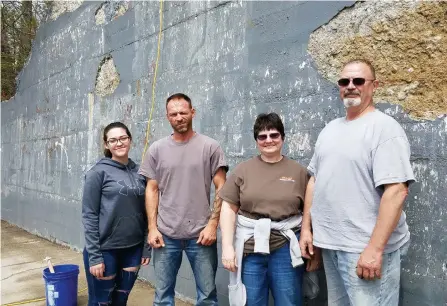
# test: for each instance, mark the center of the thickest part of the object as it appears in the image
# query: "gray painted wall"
(235, 59)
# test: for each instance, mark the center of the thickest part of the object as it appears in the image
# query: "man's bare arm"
(218, 180)
(306, 238)
(307, 221)
(208, 235)
(369, 265)
(152, 203)
(155, 238)
(390, 210)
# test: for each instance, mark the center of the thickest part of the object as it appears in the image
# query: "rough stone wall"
(405, 40)
(235, 60)
(62, 7)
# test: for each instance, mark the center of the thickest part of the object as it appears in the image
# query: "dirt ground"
(21, 259)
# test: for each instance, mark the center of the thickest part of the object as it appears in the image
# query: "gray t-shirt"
(351, 163)
(184, 172)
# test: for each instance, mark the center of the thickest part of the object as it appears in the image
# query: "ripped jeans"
(115, 291)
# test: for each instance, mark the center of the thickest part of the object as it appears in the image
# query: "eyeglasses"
(272, 136)
(356, 81)
(114, 141)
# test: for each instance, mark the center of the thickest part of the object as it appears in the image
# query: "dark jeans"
(115, 291)
(167, 261)
(274, 272)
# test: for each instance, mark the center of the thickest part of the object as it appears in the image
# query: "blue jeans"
(167, 261)
(274, 271)
(345, 288)
(114, 291)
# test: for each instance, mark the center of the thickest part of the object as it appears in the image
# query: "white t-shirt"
(351, 163)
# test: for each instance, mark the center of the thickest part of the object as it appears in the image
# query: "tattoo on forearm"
(217, 205)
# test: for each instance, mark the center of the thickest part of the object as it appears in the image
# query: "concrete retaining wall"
(235, 60)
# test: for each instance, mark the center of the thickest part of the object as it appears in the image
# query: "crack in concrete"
(19, 263)
(41, 267)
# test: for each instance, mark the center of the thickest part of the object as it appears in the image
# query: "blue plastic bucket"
(61, 287)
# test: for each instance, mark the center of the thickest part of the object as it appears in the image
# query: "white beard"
(350, 102)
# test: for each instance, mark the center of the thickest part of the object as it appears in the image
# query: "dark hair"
(363, 61)
(268, 122)
(113, 125)
(179, 96)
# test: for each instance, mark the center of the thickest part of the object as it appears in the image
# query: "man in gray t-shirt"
(180, 169)
(360, 176)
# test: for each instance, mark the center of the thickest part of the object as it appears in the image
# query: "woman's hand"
(98, 270)
(315, 261)
(145, 261)
(229, 258)
(306, 244)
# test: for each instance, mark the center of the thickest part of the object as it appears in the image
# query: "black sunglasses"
(263, 137)
(356, 81)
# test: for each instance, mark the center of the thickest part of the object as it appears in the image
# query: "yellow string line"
(34, 300)
(148, 128)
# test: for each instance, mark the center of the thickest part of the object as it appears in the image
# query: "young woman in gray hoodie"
(115, 222)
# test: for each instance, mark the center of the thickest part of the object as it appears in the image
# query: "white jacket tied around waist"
(260, 230)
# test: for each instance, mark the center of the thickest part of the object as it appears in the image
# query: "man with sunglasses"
(360, 177)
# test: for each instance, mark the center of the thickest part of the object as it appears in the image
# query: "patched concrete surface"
(62, 7)
(110, 10)
(108, 78)
(405, 40)
(22, 266)
(235, 59)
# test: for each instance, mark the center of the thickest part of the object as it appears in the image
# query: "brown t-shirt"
(267, 190)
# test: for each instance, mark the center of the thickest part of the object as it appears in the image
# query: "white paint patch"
(6, 190)
(434, 175)
(90, 155)
(267, 73)
(389, 111)
(64, 149)
(237, 154)
(299, 142)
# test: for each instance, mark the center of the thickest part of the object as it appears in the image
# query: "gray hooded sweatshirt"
(113, 209)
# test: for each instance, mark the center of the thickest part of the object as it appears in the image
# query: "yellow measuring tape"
(146, 139)
(34, 300)
(148, 128)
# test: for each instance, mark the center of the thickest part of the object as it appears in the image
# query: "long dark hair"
(113, 125)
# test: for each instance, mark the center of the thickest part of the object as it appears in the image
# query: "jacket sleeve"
(91, 200)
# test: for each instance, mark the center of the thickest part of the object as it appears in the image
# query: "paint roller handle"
(50, 265)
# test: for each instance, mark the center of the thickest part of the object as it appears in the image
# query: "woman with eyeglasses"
(115, 222)
(260, 247)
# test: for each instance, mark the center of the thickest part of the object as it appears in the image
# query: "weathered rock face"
(108, 78)
(62, 7)
(110, 10)
(405, 40)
